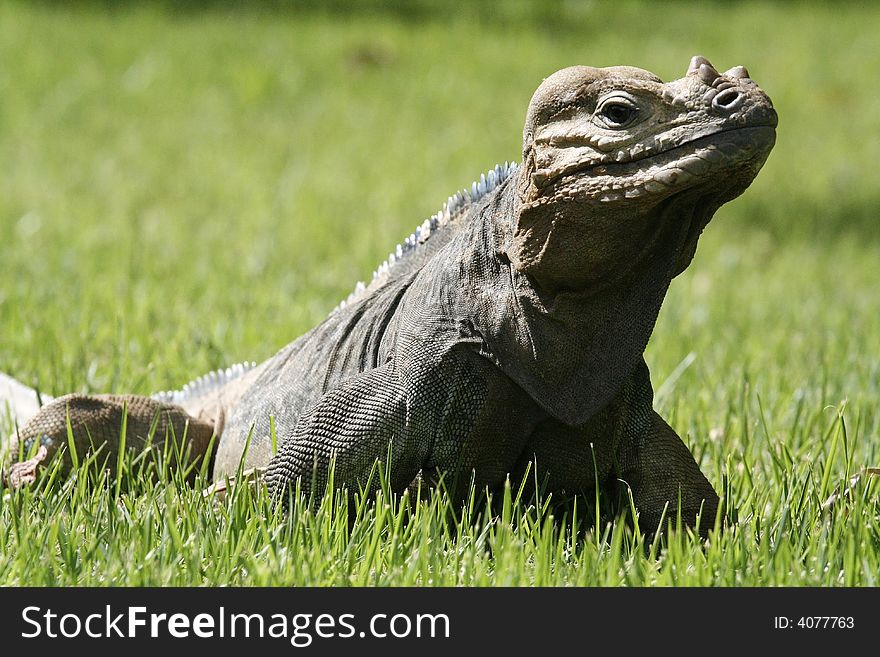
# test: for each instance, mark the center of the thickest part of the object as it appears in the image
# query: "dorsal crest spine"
(204, 384)
(454, 205)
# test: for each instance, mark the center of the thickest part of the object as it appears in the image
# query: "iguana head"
(613, 157)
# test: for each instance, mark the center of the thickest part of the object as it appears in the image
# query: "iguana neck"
(590, 338)
(576, 250)
(580, 247)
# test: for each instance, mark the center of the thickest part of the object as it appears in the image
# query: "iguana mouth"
(687, 162)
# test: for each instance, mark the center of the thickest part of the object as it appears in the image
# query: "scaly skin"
(512, 336)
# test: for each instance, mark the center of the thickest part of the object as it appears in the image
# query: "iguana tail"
(18, 403)
(37, 426)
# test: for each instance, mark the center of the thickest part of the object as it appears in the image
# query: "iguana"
(506, 334)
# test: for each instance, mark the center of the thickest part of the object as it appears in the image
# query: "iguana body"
(510, 328)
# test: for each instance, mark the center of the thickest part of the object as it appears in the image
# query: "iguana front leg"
(366, 419)
(96, 423)
(458, 421)
(628, 442)
(657, 466)
(662, 474)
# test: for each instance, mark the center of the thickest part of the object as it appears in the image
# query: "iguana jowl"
(509, 329)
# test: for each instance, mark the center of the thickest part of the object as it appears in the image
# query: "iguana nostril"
(728, 99)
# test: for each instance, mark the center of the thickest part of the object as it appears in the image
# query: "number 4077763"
(814, 623)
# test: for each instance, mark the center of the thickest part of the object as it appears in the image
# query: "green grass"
(184, 190)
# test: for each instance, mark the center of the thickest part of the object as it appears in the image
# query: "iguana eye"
(616, 112)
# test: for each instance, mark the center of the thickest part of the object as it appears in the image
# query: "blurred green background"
(186, 185)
